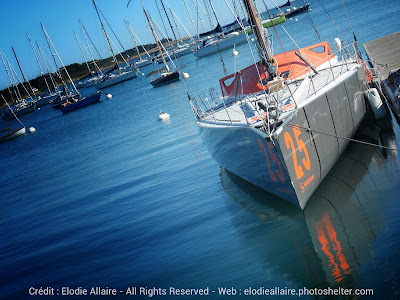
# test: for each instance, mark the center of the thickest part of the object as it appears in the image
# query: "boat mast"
(22, 73)
(266, 57)
(195, 30)
(198, 15)
(155, 37)
(133, 39)
(215, 15)
(37, 60)
(47, 68)
(58, 56)
(162, 21)
(9, 91)
(52, 54)
(86, 35)
(169, 21)
(144, 49)
(105, 33)
(83, 54)
(12, 82)
(176, 26)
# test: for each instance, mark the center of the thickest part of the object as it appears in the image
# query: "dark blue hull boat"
(297, 11)
(165, 78)
(70, 106)
(17, 112)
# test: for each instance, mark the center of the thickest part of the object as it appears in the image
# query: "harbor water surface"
(110, 196)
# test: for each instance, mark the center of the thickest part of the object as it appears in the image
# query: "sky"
(60, 19)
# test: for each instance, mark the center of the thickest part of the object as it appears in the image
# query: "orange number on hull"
(302, 148)
(262, 148)
(274, 159)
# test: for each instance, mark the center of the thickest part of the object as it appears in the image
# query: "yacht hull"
(112, 80)
(220, 45)
(81, 103)
(293, 161)
(13, 134)
(164, 79)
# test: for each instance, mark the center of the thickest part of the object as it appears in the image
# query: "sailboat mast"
(155, 37)
(16, 91)
(176, 26)
(86, 35)
(105, 33)
(215, 15)
(162, 20)
(22, 72)
(65, 69)
(198, 15)
(48, 44)
(144, 49)
(37, 60)
(169, 21)
(83, 54)
(266, 57)
(47, 68)
(191, 19)
(9, 91)
(133, 39)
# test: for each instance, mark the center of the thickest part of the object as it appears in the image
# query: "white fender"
(376, 103)
(337, 44)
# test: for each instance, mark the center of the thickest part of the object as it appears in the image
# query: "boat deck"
(243, 112)
(384, 56)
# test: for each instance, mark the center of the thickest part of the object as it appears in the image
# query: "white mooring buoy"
(163, 115)
(234, 52)
(109, 96)
(32, 129)
(185, 75)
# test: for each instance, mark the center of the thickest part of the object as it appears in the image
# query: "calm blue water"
(109, 196)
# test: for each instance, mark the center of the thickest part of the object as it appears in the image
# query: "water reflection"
(327, 243)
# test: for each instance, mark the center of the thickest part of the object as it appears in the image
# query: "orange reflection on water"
(331, 247)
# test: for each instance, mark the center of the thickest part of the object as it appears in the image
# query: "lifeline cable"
(341, 137)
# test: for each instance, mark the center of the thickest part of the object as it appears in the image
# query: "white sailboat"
(116, 74)
(10, 133)
(72, 99)
(23, 104)
(167, 76)
(216, 40)
(95, 75)
(51, 95)
(176, 50)
(283, 122)
(141, 62)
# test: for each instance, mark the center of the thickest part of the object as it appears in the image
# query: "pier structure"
(384, 56)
